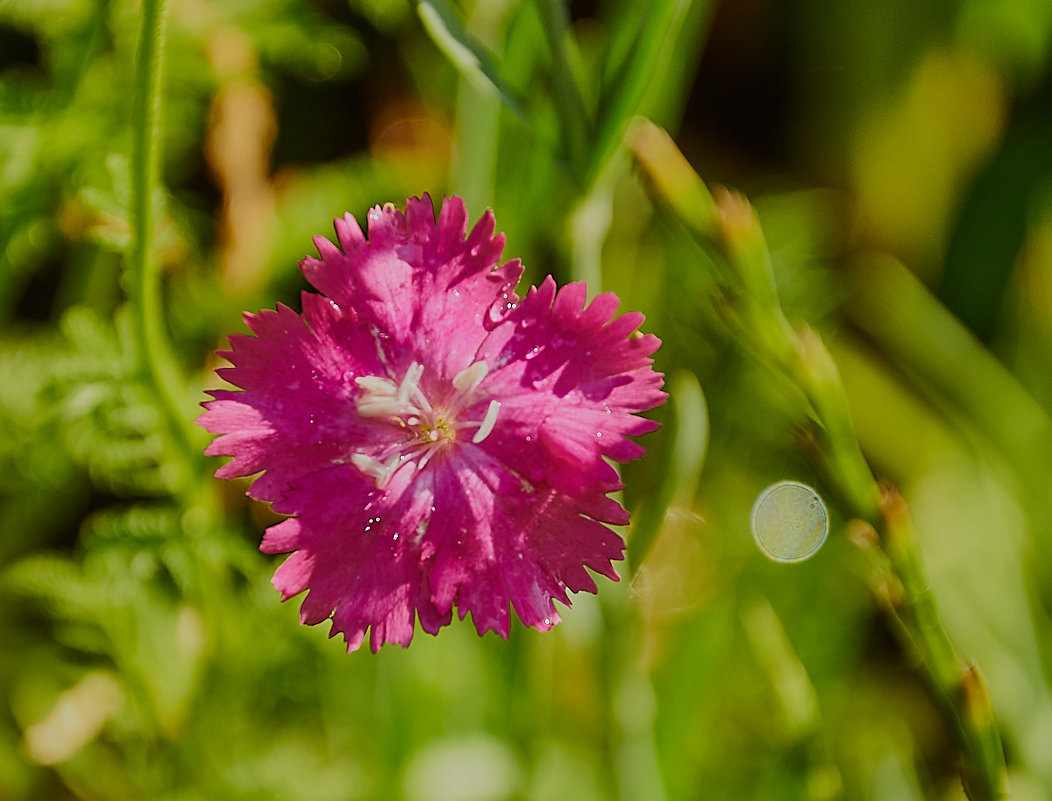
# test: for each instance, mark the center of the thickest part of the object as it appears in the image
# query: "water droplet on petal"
(789, 521)
(532, 354)
(499, 310)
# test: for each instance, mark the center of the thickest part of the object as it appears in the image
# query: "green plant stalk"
(142, 278)
(690, 441)
(442, 23)
(723, 226)
(477, 126)
(815, 372)
(573, 114)
(639, 70)
(951, 369)
(961, 690)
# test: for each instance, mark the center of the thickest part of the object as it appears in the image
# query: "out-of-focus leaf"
(635, 73)
(992, 223)
(443, 25)
(575, 117)
(690, 439)
(945, 359)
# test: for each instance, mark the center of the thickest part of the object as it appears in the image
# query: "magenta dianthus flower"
(437, 441)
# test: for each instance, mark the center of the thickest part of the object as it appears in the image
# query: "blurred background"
(900, 157)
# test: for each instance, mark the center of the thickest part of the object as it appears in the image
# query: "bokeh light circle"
(789, 521)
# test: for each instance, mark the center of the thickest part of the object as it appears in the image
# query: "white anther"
(380, 472)
(379, 397)
(377, 405)
(367, 464)
(410, 382)
(470, 377)
(372, 383)
(490, 420)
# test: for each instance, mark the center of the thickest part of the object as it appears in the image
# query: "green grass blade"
(622, 97)
(469, 57)
(690, 442)
(574, 116)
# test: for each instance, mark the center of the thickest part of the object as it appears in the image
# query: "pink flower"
(437, 441)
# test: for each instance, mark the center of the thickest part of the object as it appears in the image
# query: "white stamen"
(424, 460)
(368, 465)
(378, 406)
(410, 382)
(378, 398)
(422, 403)
(470, 377)
(378, 339)
(488, 421)
(381, 397)
(425, 430)
(373, 383)
(379, 471)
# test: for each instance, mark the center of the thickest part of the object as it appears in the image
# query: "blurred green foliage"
(145, 653)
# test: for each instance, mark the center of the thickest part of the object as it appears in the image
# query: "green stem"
(156, 362)
(815, 372)
(477, 126)
(724, 224)
(574, 116)
(960, 690)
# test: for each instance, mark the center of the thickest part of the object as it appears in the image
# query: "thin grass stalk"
(731, 232)
(142, 277)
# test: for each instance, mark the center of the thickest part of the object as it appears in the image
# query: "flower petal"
(438, 442)
(348, 557)
(299, 417)
(570, 380)
(429, 285)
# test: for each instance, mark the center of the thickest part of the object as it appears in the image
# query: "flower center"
(428, 429)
